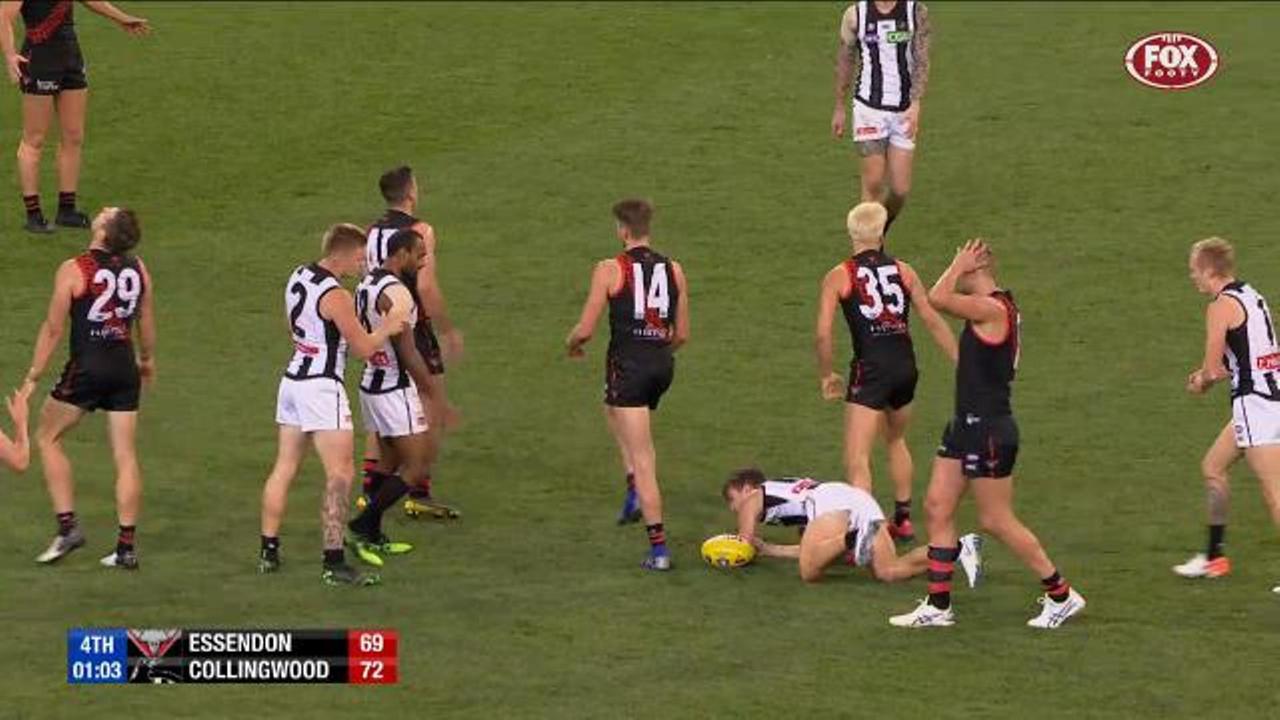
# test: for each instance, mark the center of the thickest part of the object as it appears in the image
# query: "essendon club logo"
(1171, 60)
(153, 645)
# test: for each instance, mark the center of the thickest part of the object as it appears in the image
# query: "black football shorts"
(985, 446)
(53, 67)
(109, 383)
(639, 379)
(881, 387)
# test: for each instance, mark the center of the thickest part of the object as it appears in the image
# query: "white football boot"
(1200, 566)
(971, 557)
(925, 615)
(1052, 613)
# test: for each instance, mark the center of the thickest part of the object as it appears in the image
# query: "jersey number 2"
(127, 287)
(655, 297)
(878, 284)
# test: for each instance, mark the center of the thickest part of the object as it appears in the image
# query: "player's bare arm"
(432, 296)
(338, 305)
(129, 23)
(1222, 314)
(13, 62)
(938, 327)
(830, 384)
(147, 327)
(986, 313)
(920, 42)
(394, 303)
(845, 70)
(16, 452)
(682, 308)
(67, 283)
(603, 279)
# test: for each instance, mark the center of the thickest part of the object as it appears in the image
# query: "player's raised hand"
(971, 256)
(13, 64)
(832, 387)
(838, 119)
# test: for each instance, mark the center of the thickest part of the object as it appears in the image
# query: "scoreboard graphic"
(162, 656)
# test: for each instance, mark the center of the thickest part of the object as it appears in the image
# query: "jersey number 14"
(655, 297)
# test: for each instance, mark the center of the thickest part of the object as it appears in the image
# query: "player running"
(389, 398)
(400, 189)
(886, 45)
(104, 290)
(837, 519)
(51, 72)
(16, 453)
(1240, 344)
(980, 443)
(872, 288)
(312, 401)
(648, 303)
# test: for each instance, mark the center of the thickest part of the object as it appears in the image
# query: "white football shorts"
(832, 497)
(313, 405)
(1256, 420)
(393, 414)
(870, 124)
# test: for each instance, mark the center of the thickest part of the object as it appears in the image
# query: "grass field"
(240, 130)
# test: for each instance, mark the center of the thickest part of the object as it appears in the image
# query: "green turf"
(239, 131)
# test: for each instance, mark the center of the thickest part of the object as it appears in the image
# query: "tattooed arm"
(846, 69)
(919, 66)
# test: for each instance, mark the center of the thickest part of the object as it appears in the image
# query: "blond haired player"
(1240, 344)
(885, 45)
(872, 289)
(836, 519)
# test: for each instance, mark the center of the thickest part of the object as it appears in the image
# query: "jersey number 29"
(126, 287)
(655, 297)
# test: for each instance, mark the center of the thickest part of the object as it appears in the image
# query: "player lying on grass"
(1240, 345)
(16, 453)
(837, 519)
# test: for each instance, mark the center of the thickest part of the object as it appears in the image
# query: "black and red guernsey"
(48, 21)
(985, 369)
(877, 309)
(642, 312)
(102, 316)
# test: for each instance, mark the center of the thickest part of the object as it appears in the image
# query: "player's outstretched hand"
(832, 387)
(13, 64)
(16, 404)
(838, 119)
(136, 26)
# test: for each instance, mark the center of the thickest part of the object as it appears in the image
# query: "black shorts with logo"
(53, 67)
(985, 446)
(424, 337)
(879, 386)
(107, 381)
(638, 379)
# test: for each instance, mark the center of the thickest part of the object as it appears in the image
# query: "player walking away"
(104, 290)
(648, 304)
(312, 400)
(1240, 343)
(51, 72)
(389, 397)
(980, 444)
(400, 189)
(836, 519)
(872, 288)
(886, 46)
(16, 453)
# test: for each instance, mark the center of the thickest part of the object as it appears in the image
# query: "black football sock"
(66, 522)
(421, 490)
(657, 538)
(1217, 536)
(372, 478)
(66, 201)
(901, 511)
(333, 558)
(1055, 587)
(942, 565)
(893, 203)
(124, 541)
(391, 489)
(271, 543)
(32, 204)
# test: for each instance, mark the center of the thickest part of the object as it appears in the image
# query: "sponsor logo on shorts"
(1269, 362)
(47, 85)
(866, 130)
(1171, 60)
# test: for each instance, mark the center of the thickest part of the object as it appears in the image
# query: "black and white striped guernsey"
(1252, 355)
(383, 371)
(381, 231)
(319, 351)
(784, 500)
(884, 52)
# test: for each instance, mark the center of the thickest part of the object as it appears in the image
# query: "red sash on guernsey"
(50, 24)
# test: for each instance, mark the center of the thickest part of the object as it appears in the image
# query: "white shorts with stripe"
(832, 497)
(314, 404)
(872, 124)
(1256, 420)
(393, 414)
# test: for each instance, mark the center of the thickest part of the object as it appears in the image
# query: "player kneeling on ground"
(837, 519)
(312, 401)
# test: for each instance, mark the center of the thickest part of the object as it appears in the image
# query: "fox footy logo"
(1171, 60)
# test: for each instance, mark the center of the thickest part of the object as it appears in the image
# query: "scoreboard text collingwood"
(119, 655)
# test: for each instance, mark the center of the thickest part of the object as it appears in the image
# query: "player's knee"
(31, 146)
(1213, 473)
(996, 523)
(809, 573)
(71, 138)
(340, 478)
(936, 509)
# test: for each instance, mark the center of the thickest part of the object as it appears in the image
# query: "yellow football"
(727, 551)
